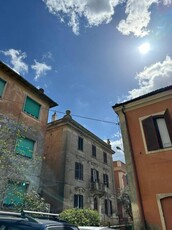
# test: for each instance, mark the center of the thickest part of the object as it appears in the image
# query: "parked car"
(28, 220)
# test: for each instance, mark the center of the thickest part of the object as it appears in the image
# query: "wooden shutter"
(80, 201)
(106, 207)
(25, 147)
(14, 193)
(76, 170)
(150, 134)
(92, 180)
(168, 121)
(32, 107)
(75, 201)
(2, 85)
(81, 172)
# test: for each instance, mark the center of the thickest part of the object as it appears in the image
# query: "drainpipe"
(134, 167)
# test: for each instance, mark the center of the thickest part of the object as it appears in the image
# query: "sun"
(144, 48)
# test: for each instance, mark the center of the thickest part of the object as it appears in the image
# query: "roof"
(39, 92)
(67, 120)
(144, 96)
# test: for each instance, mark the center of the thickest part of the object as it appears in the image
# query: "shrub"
(81, 217)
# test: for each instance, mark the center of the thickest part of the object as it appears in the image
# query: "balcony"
(98, 188)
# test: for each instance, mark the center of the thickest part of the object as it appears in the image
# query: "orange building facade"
(146, 126)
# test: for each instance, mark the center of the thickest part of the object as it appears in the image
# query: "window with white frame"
(158, 131)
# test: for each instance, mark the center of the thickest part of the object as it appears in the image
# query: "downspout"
(134, 167)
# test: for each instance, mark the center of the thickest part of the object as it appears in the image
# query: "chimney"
(54, 117)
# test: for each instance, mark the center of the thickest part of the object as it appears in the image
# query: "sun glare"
(144, 48)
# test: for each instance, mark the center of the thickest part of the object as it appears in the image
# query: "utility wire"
(88, 118)
(75, 115)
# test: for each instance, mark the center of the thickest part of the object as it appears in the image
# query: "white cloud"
(97, 12)
(119, 154)
(40, 69)
(153, 77)
(139, 16)
(17, 57)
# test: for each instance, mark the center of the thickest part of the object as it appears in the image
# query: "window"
(94, 175)
(78, 201)
(158, 131)
(80, 143)
(105, 157)
(25, 147)
(14, 193)
(108, 207)
(32, 107)
(93, 150)
(106, 180)
(2, 86)
(78, 171)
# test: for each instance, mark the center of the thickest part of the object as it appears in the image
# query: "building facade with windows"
(120, 175)
(77, 170)
(23, 118)
(146, 125)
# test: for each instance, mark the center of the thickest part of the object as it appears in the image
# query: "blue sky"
(86, 55)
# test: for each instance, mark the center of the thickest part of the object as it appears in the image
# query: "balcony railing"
(98, 188)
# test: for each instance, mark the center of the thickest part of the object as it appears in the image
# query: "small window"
(106, 180)
(78, 201)
(2, 86)
(32, 107)
(80, 143)
(94, 175)
(78, 171)
(14, 194)
(158, 131)
(108, 207)
(25, 147)
(93, 150)
(105, 157)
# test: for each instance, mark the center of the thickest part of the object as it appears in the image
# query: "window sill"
(159, 150)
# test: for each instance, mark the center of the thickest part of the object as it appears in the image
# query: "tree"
(124, 199)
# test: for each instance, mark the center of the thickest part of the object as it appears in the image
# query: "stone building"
(146, 125)
(77, 170)
(23, 118)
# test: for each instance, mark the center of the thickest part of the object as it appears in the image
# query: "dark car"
(26, 221)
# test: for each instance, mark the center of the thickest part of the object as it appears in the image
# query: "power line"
(88, 118)
(75, 115)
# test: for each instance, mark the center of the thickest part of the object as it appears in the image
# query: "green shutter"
(2, 85)
(25, 147)
(14, 193)
(32, 107)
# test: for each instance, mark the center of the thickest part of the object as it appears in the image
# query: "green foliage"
(81, 217)
(124, 199)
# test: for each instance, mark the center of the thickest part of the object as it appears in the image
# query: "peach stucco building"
(146, 126)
